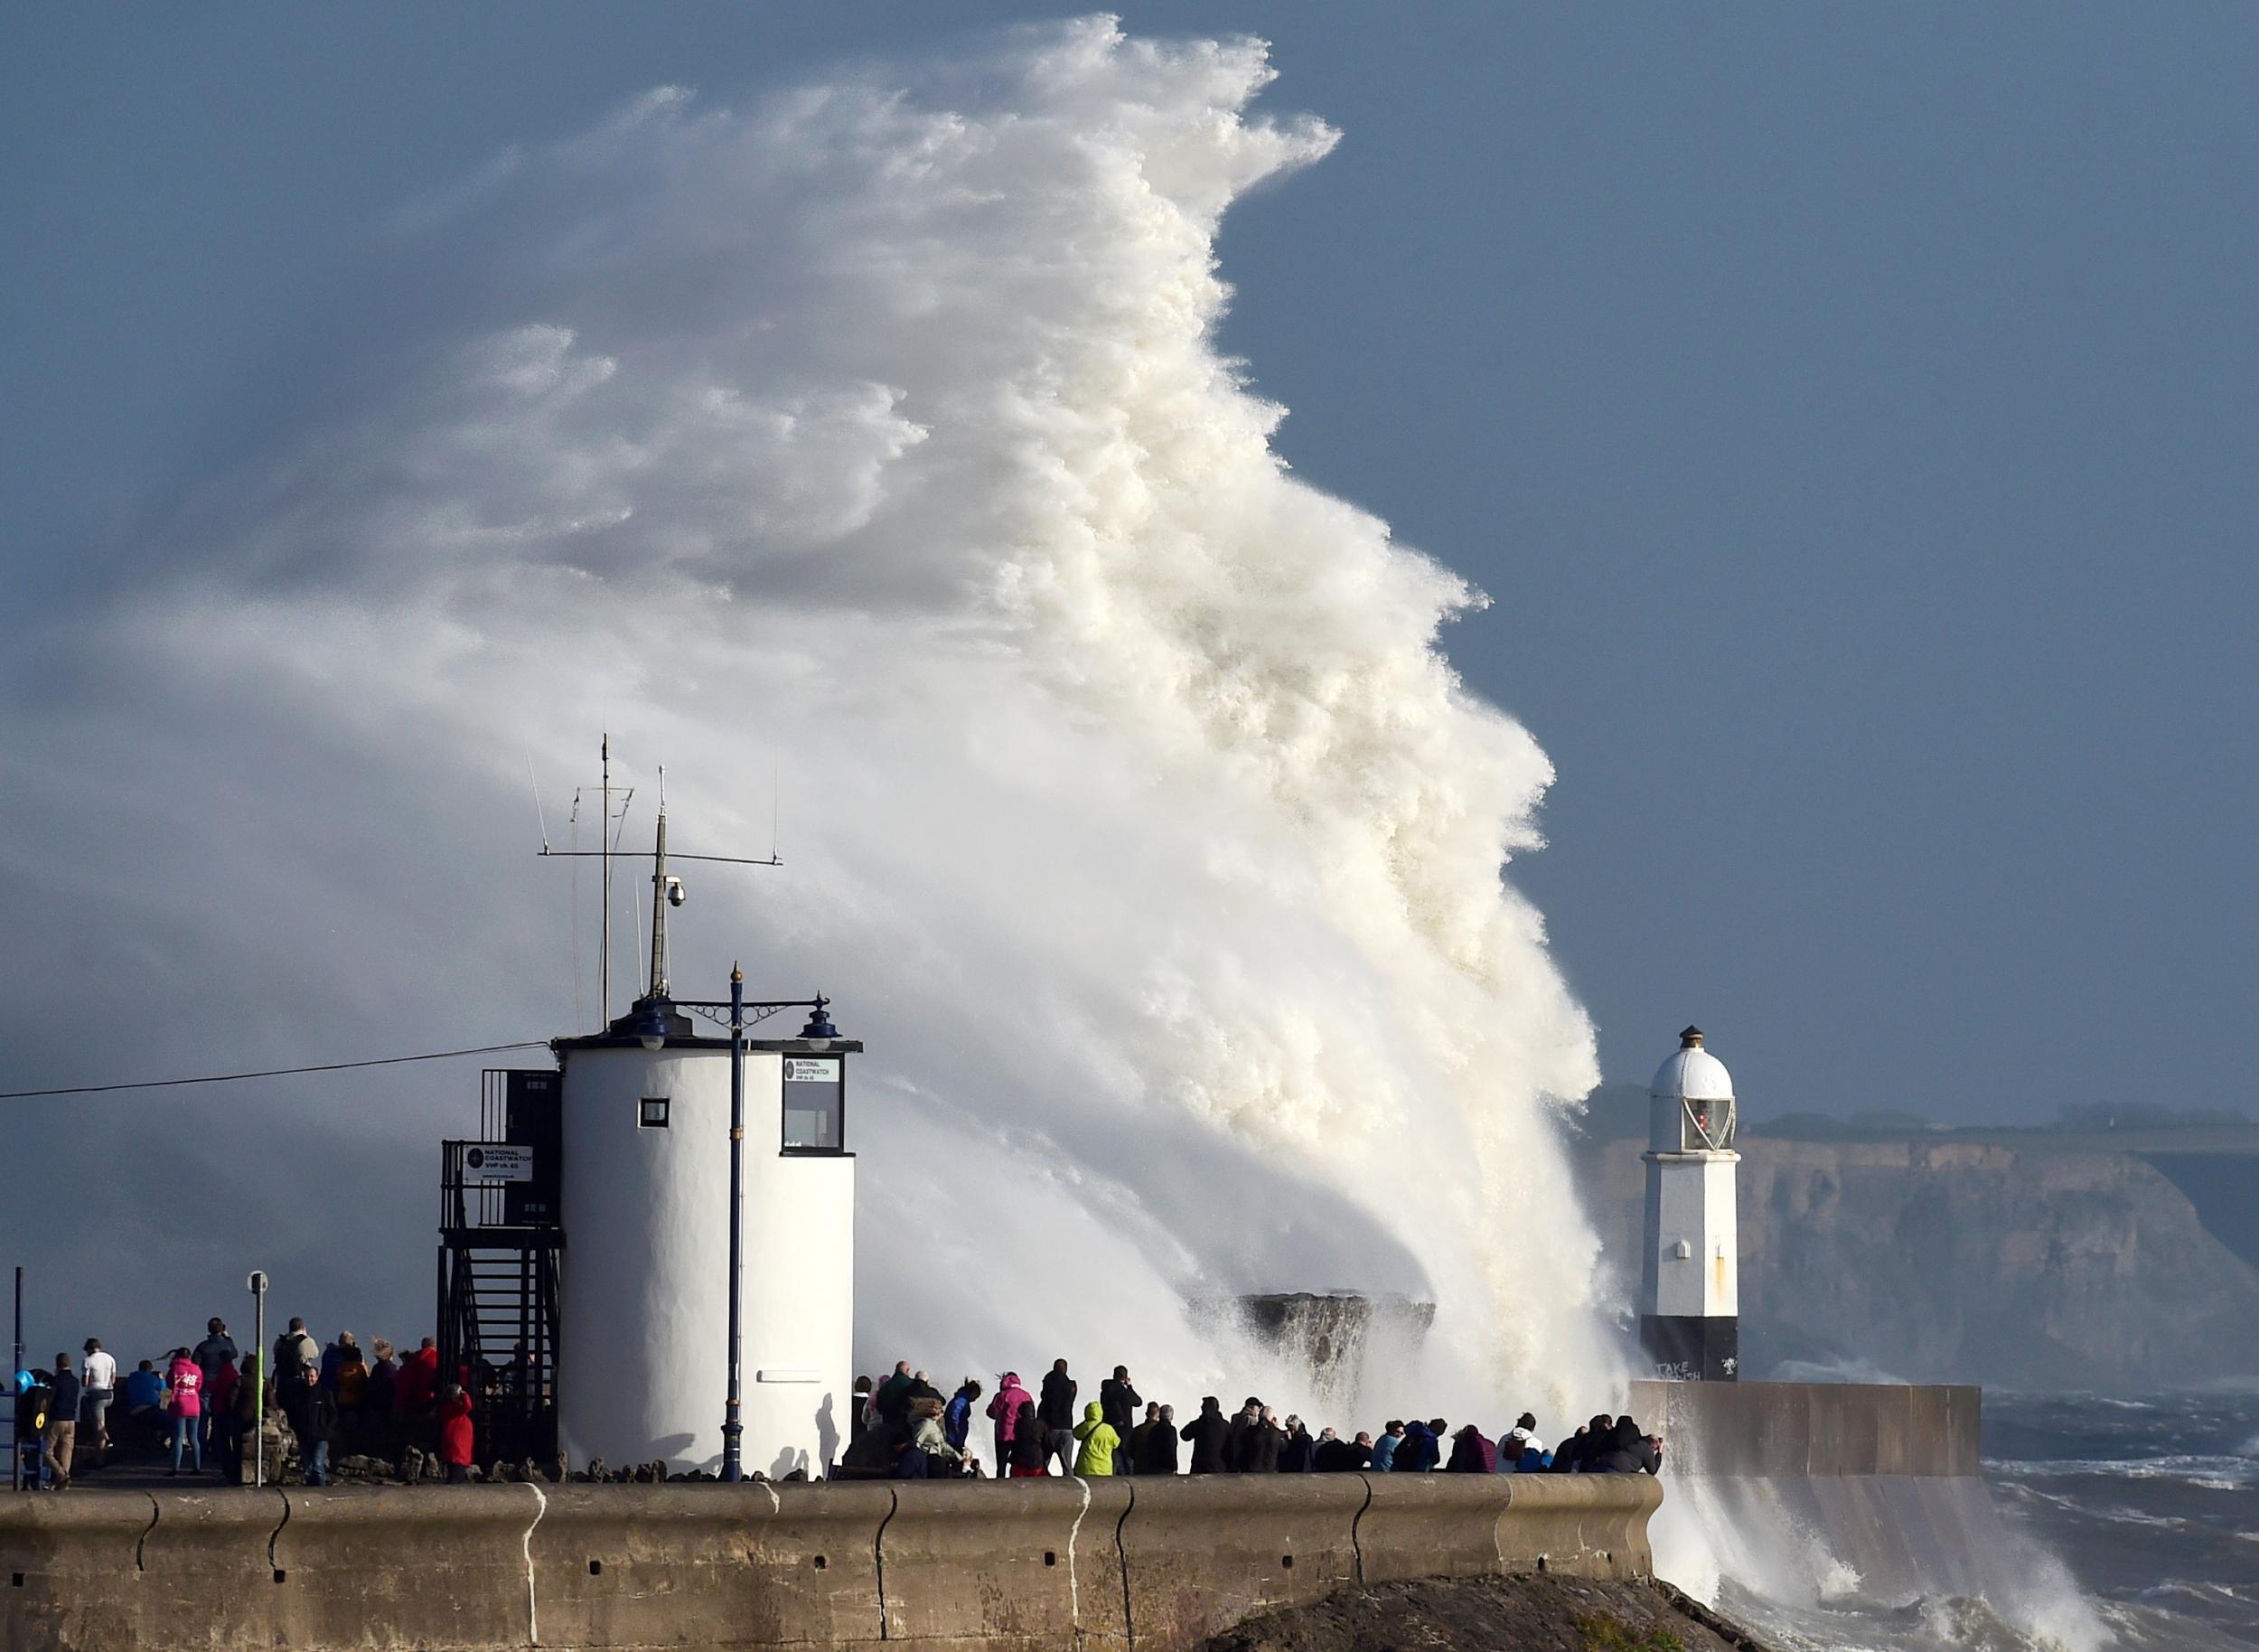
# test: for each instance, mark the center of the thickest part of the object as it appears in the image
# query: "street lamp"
(819, 1026)
(258, 1283)
(649, 1026)
(733, 1416)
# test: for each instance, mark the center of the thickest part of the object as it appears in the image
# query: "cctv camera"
(674, 892)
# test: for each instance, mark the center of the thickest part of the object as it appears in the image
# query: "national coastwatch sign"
(489, 1161)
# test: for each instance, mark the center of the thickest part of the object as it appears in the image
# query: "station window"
(815, 1104)
(653, 1115)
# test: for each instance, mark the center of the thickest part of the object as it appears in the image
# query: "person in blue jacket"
(1385, 1447)
(957, 1415)
(1419, 1453)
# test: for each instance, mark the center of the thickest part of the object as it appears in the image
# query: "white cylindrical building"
(1689, 1289)
(642, 1374)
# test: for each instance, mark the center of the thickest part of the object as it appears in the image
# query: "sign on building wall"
(815, 1104)
(491, 1161)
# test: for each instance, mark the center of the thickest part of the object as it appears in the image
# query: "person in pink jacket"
(1005, 1411)
(187, 1409)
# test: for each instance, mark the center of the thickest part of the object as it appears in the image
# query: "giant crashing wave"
(862, 452)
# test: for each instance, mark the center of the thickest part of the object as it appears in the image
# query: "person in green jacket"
(1098, 1441)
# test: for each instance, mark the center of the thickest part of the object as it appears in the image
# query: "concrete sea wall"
(1884, 1477)
(1738, 1429)
(1018, 1566)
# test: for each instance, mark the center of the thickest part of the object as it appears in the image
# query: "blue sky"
(1852, 411)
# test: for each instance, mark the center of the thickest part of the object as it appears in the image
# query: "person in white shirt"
(100, 1376)
(1520, 1440)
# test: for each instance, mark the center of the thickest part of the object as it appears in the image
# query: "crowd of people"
(904, 1427)
(213, 1404)
(210, 1402)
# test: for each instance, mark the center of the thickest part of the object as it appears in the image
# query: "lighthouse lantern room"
(1689, 1296)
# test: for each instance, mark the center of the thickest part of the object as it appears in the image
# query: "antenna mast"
(604, 841)
(661, 893)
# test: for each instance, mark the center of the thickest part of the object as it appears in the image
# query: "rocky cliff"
(1940, 1261)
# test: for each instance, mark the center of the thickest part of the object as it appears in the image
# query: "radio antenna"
(666, 890)
(535, 781)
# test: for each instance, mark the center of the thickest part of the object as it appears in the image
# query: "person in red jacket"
(456, 1433)
(412, 1391)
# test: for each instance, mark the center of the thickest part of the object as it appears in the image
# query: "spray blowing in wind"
(870, 443)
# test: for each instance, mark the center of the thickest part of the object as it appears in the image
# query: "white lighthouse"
(1688, 1294)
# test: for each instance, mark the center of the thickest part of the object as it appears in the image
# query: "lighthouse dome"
(1692, 1074)
(1690, 1106)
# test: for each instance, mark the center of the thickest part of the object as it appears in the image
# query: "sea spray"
(864, 453)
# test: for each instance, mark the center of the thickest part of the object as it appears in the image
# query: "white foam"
(874, 436)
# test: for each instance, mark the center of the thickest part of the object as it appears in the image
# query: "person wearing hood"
(1159, 1454)
(1418, 1452)
(457, 1433)
(1096, 1459)
(1629, 1451)
(1004, 1412)
(1031, 1443)
(1207, 1434)
(1472, 1452)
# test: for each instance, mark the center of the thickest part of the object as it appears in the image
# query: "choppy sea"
(2152, 1504)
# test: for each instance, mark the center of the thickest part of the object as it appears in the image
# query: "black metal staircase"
(501, 1245)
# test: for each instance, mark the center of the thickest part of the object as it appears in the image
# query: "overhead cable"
(230, 1078)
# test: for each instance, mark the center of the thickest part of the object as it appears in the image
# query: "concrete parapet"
(1203, 1553)
(1436, 1524)
(1107, 1565)
(745, 1565)
(73, 1566)
(205, 1557)
(407, 1566)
